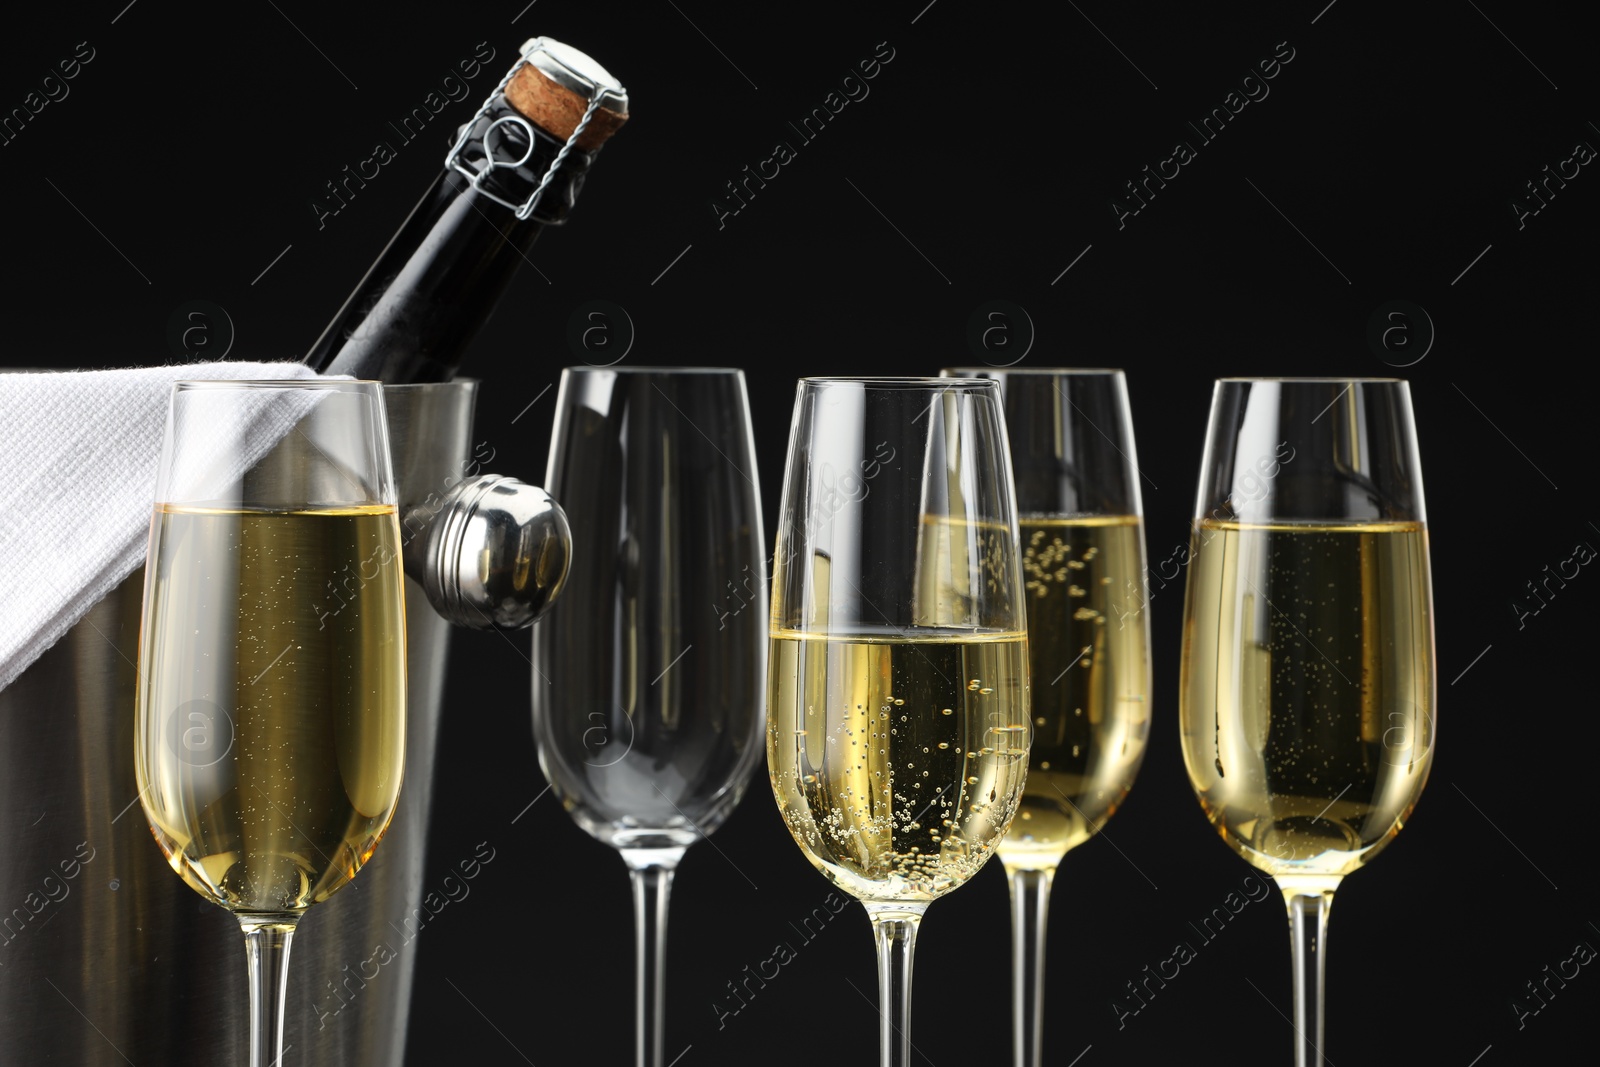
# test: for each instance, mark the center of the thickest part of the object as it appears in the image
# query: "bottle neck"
(510, 156)
(420, 305)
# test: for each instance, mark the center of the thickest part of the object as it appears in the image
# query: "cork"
(557, 110)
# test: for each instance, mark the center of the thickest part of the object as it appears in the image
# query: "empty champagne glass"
(271, 715)
(897, 694)
(1307, 695)
(647, 675)
(1083, 566)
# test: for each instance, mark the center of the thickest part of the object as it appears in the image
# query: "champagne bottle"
(515, 168)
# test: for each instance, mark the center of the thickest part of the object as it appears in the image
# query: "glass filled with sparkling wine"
(898, 676)
(1307, 693)
(272, 682)
(1083, 571)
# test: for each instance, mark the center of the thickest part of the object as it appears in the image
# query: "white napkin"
(78, 457)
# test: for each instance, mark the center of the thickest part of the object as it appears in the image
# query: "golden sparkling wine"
(898, 758)
(1308, 688)
(273, 737)
(1089, 650)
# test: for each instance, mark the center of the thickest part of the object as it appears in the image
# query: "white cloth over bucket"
(79, 451)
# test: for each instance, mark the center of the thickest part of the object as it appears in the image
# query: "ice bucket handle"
(491, 554)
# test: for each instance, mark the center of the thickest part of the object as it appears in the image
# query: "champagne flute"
(1083, 565)
(647, 677)
(271, 715)
(897, 694)
(1307, 696)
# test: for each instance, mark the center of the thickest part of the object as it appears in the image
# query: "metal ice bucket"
(106, 956)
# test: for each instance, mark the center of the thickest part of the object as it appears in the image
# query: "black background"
(1381, 167)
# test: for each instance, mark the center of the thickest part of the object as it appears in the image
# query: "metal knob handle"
(494, 555)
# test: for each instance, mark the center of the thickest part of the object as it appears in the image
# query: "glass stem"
(651, 870)
(1308, 902)
(266, 943)
(1030, 906)
(894, 928)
